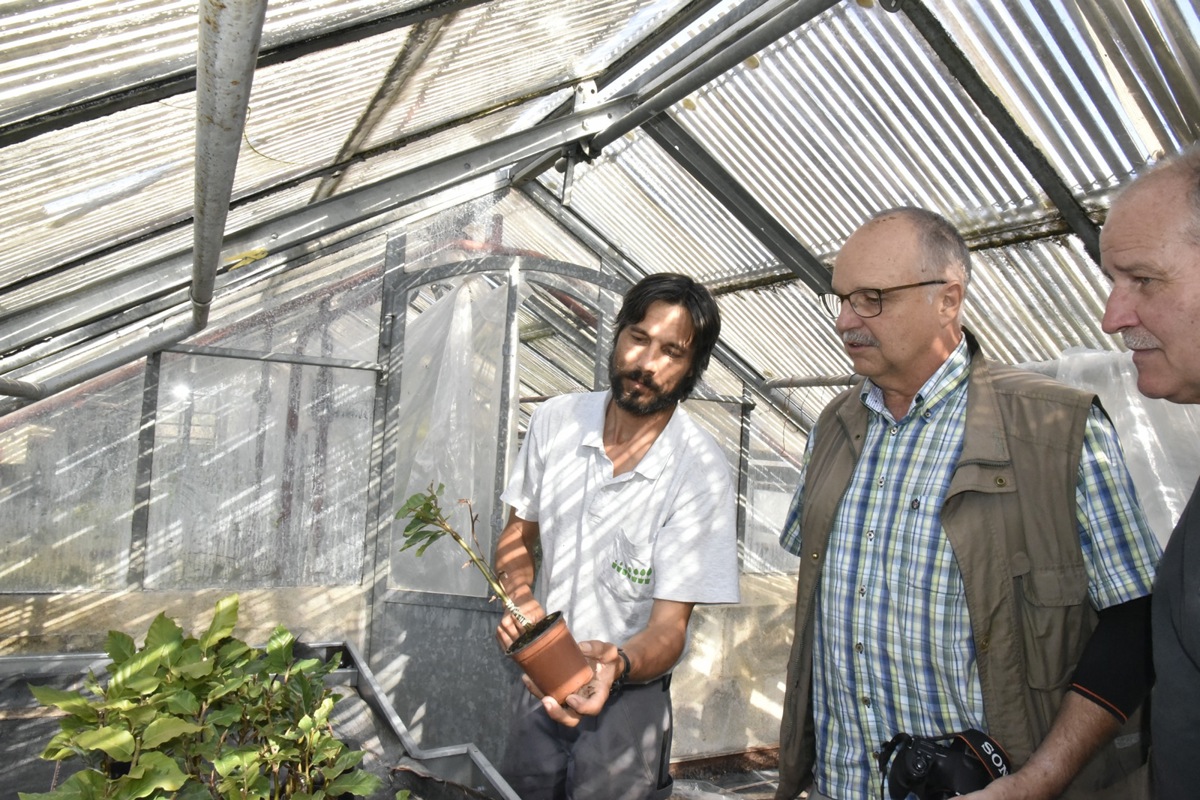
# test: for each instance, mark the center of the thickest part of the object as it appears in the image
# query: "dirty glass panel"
(776, 449)
(67, 476)
(260, 474)
(328, 307)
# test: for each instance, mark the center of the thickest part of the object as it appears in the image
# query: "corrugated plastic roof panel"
(68, 51)
(849, 115)
(1068, 71)
(657, 214)
(1030, 302)
(497, 53)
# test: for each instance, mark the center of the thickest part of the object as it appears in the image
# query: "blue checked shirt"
(893, 647)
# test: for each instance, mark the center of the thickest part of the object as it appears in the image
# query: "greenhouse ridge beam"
(990, 105)
(727, 191)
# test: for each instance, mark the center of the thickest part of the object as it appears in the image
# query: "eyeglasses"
(866, 303)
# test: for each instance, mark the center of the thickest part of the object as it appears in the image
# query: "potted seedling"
(546, 650)
(203, 718)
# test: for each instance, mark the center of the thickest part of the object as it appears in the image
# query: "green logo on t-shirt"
(634, 575)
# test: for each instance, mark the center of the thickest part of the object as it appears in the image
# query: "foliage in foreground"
(206, 718)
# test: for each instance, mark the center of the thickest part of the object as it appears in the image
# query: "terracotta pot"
(551, 657)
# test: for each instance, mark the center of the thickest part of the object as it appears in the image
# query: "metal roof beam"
(727, 191)
(1026, 151)
(423, 38)
(717, 55)
(305, 225)
(185, 81)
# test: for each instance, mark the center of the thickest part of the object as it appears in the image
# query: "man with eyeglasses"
(973, 555)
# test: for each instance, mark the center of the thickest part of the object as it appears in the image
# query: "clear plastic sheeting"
(1158, 437)
(451, 384)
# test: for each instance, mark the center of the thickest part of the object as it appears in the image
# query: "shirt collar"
(950, 377)
(655, 460)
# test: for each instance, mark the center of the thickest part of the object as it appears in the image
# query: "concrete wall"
(728, 692)
(79, 622)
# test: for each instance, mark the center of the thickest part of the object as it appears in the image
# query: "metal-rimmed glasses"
(866, 303)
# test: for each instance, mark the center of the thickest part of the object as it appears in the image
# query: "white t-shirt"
(610, 546)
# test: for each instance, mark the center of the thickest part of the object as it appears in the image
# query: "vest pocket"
(1056, 619)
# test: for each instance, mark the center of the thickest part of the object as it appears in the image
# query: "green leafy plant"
(427, 524)
(206, 718)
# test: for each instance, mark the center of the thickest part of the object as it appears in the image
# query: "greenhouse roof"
(738, 141)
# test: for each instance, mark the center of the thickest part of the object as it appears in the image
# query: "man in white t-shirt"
(632, 505)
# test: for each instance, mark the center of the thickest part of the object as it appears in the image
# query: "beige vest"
(1010, 518)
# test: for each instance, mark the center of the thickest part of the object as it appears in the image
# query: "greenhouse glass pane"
(67, 467)
(327, 308)
(260, 474)
(776, 447)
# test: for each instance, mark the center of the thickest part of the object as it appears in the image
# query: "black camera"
(936, 768)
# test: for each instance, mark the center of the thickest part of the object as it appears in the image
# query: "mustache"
(641, 377)
(1139, 339)
(859, 337)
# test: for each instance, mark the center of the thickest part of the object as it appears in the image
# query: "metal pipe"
(229, 37)
(27, 389)
(96, 367)
(739, 41)
(813, 380)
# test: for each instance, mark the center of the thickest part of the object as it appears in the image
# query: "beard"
(641, 405)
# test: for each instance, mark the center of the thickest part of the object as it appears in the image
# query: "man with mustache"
(632, 506)
(973, 555)
(1150, 251)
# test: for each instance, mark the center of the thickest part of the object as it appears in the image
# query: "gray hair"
(1185, 163)
(946, 252)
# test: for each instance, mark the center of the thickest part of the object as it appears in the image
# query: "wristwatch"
(620, 681)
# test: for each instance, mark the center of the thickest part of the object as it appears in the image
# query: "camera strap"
(971, 743)
(987, 750)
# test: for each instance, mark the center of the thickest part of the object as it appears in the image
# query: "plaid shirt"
(893, 646)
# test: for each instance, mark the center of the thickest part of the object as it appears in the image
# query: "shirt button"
(866, 701)
(858, 648)
(871, 536)
(927, 414)
(894, 431)
(880, 483)
(862, 591)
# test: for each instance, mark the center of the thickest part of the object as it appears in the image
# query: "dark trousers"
(622, 754)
